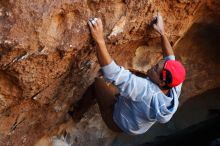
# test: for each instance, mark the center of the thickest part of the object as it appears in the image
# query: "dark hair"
(168, 79)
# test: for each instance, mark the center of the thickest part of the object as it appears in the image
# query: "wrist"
(162, 33)
(100, 41)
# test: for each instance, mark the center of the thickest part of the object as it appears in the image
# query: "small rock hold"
(24, 139)
(184, 1)
(119, 27)
(35, 97)
(1, 12)
(58, 108)
(7, 42)
(8, 14)
(96, 1)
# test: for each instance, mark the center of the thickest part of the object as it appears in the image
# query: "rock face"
(47, 56)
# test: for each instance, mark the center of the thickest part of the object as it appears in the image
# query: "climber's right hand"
(96, 28)
(158, 24)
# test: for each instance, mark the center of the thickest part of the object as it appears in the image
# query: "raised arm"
(129, 85)
(159, 27)
(96, 28)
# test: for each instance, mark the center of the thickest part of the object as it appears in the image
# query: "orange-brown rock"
(47, 56)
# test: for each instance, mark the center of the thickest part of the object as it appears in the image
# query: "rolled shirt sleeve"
(170, 57)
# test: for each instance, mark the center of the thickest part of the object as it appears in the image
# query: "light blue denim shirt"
(141, 102)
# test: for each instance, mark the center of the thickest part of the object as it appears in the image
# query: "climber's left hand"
(96, 28)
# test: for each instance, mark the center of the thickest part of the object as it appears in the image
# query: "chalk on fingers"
(90, 24)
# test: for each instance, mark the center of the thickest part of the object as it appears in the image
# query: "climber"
(132, 104)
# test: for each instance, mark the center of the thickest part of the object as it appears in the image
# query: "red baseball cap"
(177, 71)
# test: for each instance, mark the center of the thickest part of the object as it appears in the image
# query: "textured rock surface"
(47, 56)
